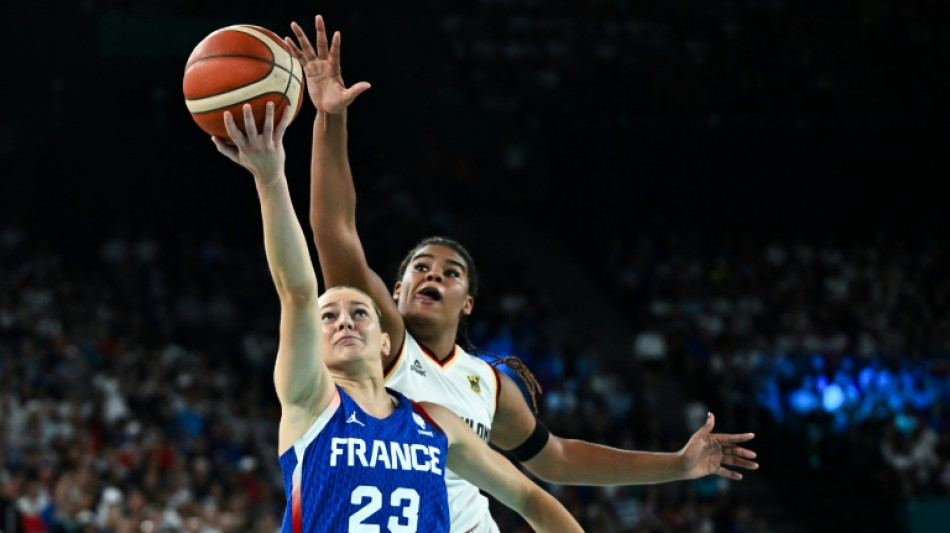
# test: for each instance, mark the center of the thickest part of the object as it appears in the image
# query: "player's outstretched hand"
(709, 453)
(322, 67)
(261, 152)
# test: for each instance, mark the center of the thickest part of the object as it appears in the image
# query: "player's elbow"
(331, 227)
(317, 217)
(297, 294)
(321, 219)
(535, 504)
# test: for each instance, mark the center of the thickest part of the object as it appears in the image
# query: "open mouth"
(431, 293)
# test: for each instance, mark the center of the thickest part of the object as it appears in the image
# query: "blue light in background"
(852, 392)
(832, 398)
(803, 401)
(924, 398)
(840, 422)
(904, 423)
(884, 381)
(895, 400)
(866, 378)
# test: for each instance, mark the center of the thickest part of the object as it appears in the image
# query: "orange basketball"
(236, 65)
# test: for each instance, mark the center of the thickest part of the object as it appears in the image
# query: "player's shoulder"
(435, 413)
(474, 360)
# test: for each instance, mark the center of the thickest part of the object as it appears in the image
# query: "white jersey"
(469, 387)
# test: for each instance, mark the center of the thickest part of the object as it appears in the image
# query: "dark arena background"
(676, 207)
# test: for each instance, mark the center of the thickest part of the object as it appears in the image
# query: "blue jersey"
(352, 473)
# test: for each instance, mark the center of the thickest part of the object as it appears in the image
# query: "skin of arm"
(302, 382)
(577, 462)
(471, 458)
(332, 192)
(333, 220)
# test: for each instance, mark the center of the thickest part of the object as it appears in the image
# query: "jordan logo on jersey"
(417, 368)
(473, 381)
(352, 420)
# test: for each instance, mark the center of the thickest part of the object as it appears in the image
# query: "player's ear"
(468, 305)
(396, 290)
(386, 345)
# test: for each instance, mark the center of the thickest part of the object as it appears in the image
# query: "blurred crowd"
(137, 395)
(136, 391)
(839, 349)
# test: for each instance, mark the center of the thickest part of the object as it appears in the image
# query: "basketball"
(237, 65)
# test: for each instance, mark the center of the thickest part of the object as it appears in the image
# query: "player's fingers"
(708, 426)
(268, 130)
(334, 55)
(739, 451)
(237, 136)
(293, 49)
(229, 151)
(732, 438)
(250, 125)
(306, 49)
(728, 474)
(285, 118)
(732, 460)
(321, 38)
(357, 89)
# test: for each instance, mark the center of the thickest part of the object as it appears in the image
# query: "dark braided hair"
(461, 334)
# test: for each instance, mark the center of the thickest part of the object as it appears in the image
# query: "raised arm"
(332, 193)
(471, 458)
(578, 462)
(303, 384)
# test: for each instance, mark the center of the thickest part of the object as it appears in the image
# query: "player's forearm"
(284, 242)
(332, 194)
(575, 462)
(544, 514)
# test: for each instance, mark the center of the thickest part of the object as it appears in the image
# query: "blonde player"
(357, 457)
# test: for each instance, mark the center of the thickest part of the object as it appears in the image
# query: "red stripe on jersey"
(432, 356)
(494, 372)
(425, 414)
(296, 509)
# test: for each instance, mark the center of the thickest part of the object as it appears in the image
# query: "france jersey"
(352, 473)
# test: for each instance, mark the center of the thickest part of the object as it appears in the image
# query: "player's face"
(435, 286)
(350, 326)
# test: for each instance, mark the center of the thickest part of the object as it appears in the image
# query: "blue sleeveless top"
(352, 473)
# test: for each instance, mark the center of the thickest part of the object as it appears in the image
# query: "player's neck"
(439, 345)
(370, 394)
(436, 333)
